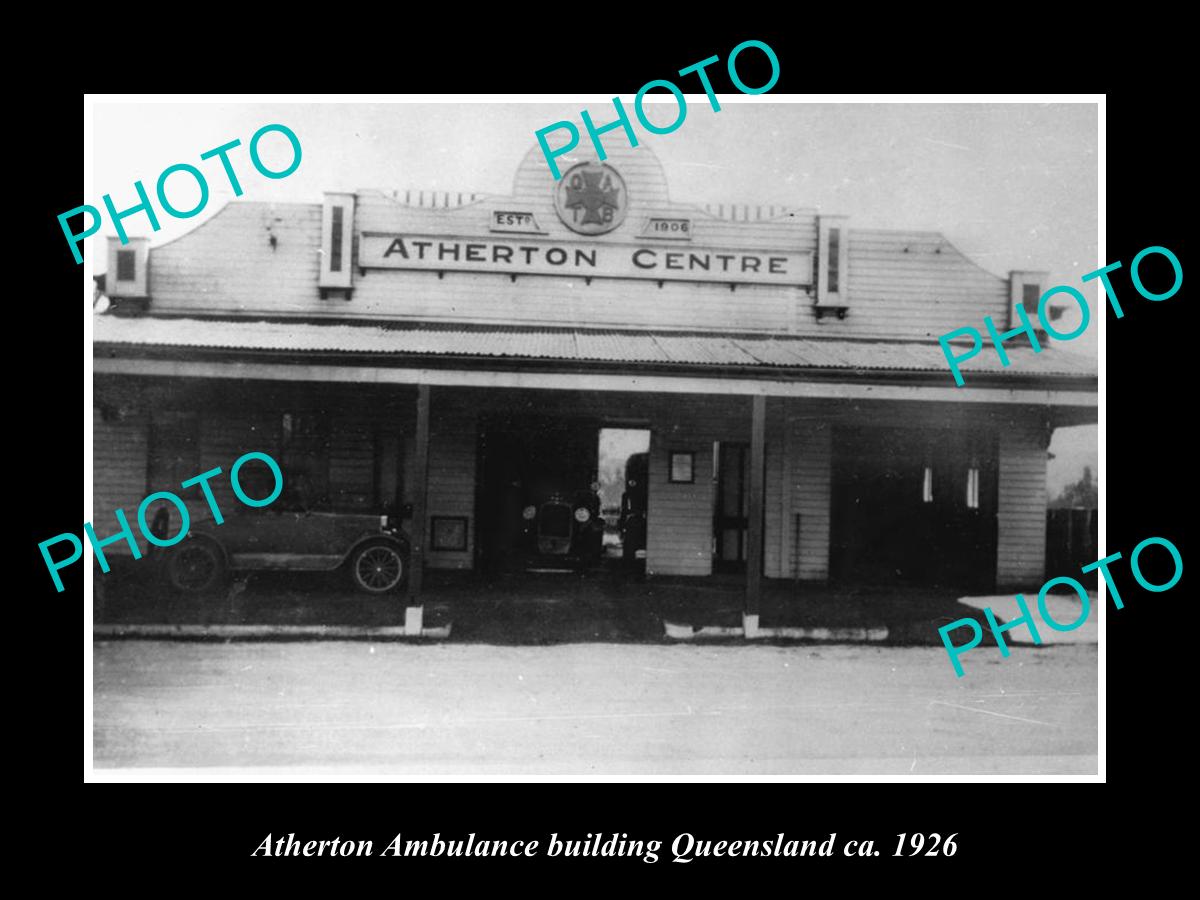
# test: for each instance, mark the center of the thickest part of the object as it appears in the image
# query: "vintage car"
(563, 528)
(372, 549)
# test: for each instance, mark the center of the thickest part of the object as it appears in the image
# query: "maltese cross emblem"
(591, 198)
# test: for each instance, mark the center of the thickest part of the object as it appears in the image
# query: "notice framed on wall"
(683, 467)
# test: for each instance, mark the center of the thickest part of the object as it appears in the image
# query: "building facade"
(420, 349)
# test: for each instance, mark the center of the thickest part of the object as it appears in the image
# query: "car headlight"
(529, 513)
(582, 515)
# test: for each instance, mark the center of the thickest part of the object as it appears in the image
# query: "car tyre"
(378, 567)
(197, 567)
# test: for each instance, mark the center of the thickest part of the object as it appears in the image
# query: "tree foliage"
(1083, 494)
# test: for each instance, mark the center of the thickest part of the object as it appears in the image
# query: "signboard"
(514, 221)
(668, 229)
(530, 256)
(591, 198)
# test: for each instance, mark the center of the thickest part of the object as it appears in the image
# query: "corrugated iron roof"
(574, 345)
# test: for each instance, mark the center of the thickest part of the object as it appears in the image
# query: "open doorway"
(731, 511)
(624, 455)
(537, 505)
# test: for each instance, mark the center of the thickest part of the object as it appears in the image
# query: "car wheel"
(196, 567)
(377, 567)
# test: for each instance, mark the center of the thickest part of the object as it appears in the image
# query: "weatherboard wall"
(1021, 550)
(261, 259)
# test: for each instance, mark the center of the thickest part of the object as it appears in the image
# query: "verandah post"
(754, 529)
(416, 561)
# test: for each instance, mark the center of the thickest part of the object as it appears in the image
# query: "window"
(335, 245)
(834, 253)
(336, 462)
(973, 486)
(126, 265)
(1030, 295)
(173, 457)
(304, 460)
(927, 485)
(174, 449)
(354, 464)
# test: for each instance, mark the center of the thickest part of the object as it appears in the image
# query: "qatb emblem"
(591, 198)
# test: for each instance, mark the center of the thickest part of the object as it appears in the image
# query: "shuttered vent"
(337, 243)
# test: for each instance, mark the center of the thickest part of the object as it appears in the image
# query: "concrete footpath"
(518, 608)
(549, 609)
